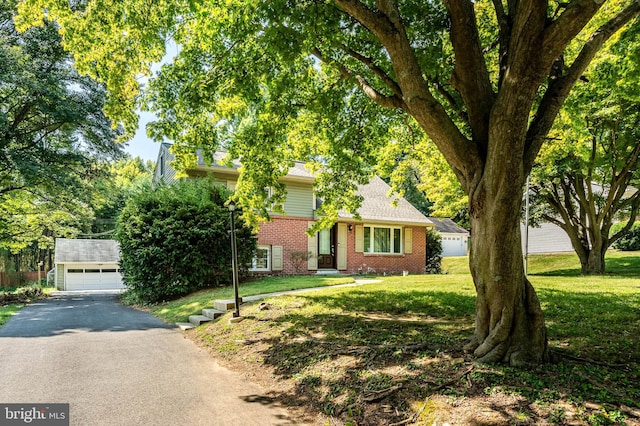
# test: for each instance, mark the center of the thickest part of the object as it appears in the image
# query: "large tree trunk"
(509, 324)
(591, 251)
(593, 262)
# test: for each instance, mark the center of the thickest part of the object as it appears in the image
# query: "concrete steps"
(225, 305)
(219, 309)
(212, 313)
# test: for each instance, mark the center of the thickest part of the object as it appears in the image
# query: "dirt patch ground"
(332, 368)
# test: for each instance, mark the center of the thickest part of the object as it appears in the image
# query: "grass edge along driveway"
(390, 352)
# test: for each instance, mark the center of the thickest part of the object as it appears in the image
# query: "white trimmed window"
(380, 239)
(262, 259)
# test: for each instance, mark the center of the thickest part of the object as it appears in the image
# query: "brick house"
(386, 239)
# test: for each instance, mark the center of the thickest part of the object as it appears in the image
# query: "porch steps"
(328, 272)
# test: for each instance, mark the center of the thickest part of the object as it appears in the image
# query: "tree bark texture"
(509, 324)
(594, 264)
(507, 132)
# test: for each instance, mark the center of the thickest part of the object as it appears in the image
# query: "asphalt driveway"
(119, 366)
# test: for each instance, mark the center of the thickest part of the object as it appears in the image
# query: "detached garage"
(454, 238)
(87, 265)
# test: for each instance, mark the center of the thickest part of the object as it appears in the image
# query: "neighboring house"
(87, 264)
(547, 238)
(455, 239)
(387, 239)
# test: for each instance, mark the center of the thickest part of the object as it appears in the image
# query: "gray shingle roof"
(86, 251)
(297, 170)
(447, 226)
(377, 205)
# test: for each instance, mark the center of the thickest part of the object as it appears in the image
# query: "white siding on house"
(163, 172)
(548, 238)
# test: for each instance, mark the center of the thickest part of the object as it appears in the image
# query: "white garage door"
(454, 245)
(93, 277)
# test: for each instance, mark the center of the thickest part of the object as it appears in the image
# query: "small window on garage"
(92, 271)
(75, 271)
(109, 270)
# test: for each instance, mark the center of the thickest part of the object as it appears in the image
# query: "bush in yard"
(629, 241)
(22, 295)
(434, 252)
(175, 239)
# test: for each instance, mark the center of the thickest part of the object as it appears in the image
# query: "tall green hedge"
(175, 239)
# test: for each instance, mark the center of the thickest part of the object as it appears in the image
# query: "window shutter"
(276, 258)
(312, 248)
(342, 246)
(359, 239)
(408, 240)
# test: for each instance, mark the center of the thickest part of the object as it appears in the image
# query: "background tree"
(30, 222)
(420, 167)
(110, 192)
(175, 239)
(52, 133)
(588, 177)
(51, 118)
(279, 80)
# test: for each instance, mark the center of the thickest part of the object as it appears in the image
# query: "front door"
(327, 249)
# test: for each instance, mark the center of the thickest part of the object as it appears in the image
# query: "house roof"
(86, 251)
(447, 226)
(298, 170)
(378, 206)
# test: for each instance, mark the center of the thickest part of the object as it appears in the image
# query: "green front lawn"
(391, 352)
(622, 263)
(180, 309)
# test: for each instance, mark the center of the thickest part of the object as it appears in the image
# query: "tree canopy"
(53, 132)
(329, 81)
(51, 119)
(587, 177)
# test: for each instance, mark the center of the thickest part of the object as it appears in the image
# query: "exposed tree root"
(414, 418)
(565, 355)
(375, 396)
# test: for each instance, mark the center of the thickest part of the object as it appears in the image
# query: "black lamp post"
(231, 205)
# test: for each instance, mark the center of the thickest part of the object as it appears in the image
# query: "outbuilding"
(455, 239)
(82, 264)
